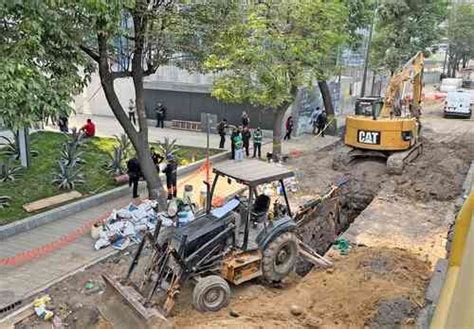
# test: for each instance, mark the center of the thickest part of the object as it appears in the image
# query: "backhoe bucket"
(124, 306)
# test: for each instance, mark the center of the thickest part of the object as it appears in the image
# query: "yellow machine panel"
(382, 134)
(242, 267)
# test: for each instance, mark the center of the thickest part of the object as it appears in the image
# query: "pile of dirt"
(438, 173)
(358, 291)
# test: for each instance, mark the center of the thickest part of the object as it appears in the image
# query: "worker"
(322, 121)
(157, 158)
(235, 132)
(257, 142)
(314, 118)
(246, 135)
(88, 129)
(238, 143)
(131, 112)
(245, 119)
(171, 172)
(134, 173)
(221, 127)
(289, 128)
(160, 111)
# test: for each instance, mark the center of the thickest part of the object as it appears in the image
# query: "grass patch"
(35, 182)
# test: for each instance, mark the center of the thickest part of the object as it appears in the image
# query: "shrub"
(168, 147)
(115, 165)
(70, 154)
(9, 171)
(4, 201)
(125, 144)
(11, 149)
(68, 176)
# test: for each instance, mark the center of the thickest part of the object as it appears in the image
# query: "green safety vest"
(238, 142)
(257, 137)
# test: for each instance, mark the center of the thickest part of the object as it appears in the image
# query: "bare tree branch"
(91, 53)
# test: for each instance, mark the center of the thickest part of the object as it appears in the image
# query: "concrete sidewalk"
(30, 277)
(27, 278)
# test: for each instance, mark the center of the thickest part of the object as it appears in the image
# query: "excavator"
(387, 127)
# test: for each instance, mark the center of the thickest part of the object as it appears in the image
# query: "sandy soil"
(347, 296)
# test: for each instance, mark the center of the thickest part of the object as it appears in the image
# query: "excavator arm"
(412, 70)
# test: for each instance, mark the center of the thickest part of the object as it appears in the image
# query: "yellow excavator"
(387, 127)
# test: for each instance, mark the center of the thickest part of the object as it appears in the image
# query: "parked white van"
(458, 104)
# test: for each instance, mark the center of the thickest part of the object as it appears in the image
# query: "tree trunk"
(279, 114)
(326, 94)
(139, 139)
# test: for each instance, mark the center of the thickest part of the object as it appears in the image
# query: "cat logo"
(368, 137)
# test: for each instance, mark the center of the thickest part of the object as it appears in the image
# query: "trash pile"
(128, 225)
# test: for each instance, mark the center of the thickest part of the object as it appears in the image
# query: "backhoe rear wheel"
(211, 293)
(279, 257)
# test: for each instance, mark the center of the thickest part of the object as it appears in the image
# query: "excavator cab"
(370, 106)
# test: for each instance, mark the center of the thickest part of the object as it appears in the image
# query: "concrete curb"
(69, 209)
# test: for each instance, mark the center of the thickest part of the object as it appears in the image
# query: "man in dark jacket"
(221, 127)
(322, 121)
(246, 135)
(171, 172)
(289, 128)
(134, 173)
(160, 115)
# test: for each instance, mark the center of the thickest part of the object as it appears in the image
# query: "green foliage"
(267, 50)
(9, 171)
(168, 147)
(71, 155)
(403, 28)
(115, 165)
(460, 33)
(11, 149)
(125, 145)
(4, 201)
(41, 68)
(68, 177)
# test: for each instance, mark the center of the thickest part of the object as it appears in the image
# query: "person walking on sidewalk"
(134, 173)
(131, 112)
(238, 143)
(246, 135)
(289, 128)
(160, 115)
(322, 121)
(221, 127)
(257, 142)
(171, 172)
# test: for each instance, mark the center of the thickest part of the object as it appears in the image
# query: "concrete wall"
(189, 104)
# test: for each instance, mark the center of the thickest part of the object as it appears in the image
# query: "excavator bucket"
(125, 298)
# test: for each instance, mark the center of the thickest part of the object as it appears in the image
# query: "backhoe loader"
(387, 127)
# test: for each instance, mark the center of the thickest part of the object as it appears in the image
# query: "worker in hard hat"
(171, 172)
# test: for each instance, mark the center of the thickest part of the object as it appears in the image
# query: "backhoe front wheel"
(279, 257)
(211, 293)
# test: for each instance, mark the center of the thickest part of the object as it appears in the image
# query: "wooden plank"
(51, 201)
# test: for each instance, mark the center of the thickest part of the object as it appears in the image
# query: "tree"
(123, 39)
(270, 49)
(460, 34)
(403, 28)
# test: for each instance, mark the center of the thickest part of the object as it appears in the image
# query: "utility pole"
(367, 52)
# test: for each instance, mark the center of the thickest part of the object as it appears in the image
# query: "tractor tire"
(211, 293)
(279, 257)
